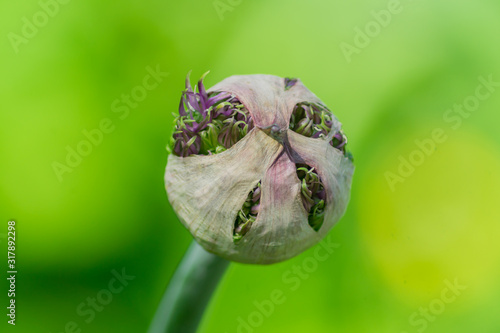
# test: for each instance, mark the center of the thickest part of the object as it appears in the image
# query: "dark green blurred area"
(397, 245)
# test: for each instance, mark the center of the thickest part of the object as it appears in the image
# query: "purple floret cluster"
(208, 123)
(315, 120)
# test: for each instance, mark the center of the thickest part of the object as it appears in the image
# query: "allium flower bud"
(258, 170)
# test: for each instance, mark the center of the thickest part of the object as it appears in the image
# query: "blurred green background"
(401, 241)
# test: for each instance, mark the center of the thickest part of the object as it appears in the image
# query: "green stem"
(189, 291)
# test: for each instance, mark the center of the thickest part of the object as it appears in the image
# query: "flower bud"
(258, 168)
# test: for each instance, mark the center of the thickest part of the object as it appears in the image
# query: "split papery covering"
(208, 191)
